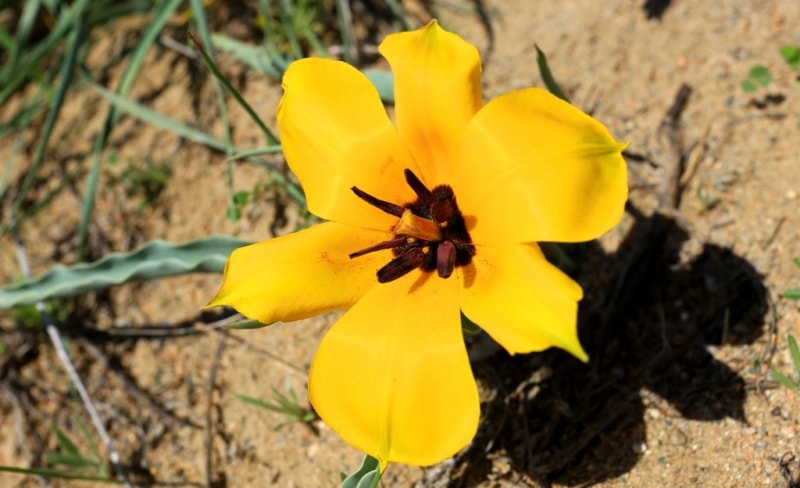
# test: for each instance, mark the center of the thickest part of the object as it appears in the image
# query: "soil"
(682, 318)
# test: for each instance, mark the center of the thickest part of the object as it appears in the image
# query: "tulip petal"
(335, 135)
(392, 377)
(437, 90)
(302, 274)
(522, 301)
(535, 168)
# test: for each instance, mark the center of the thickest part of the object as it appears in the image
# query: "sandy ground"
(682, 317)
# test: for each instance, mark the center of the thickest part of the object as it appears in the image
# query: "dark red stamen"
(403, 264)
(445, 258)
(390, 244)
(419, 187)
(442, 205)
(388, 207)
(453, 248)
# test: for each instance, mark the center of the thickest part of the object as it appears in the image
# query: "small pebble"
(678, 437)
(639, 447)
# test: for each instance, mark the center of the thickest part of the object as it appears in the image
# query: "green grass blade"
(152, 117)
(66, 72)
(156, 259)
(14, 75)
(58, 474)
(16, 147)
(781, 378)
(26, 21)
(272, 139)
(286, 20)
(7, 42)
(88, 436)
(793, 294)
(547, 76)
(70, 460)
(399, 13)
(103, 13)
(205, 37)
(208, 56)
(252, 153)
(346, 27)
(257, 402)
(291, 189)
(794, 351)
(160, 19)
(64, 442)
(257, 57)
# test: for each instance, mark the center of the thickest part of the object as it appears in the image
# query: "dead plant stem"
(61, 352)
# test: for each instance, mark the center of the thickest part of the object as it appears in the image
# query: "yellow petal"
(335, 135)
(302, 274)
(392, 375)
(535, 168)
(437, 90)
(521, 300)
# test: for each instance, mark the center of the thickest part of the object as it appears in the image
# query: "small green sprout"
(794, 293)
(69, 463)
(707, 199)
(287, 405)
(146, 181)
(793, 381)
(758, 77)
(791, 54)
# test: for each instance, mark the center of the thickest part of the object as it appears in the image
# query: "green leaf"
(795, 353)
(257, 57)
(797, 262)
(161, 16)
(64, 442)
(383, 81)
(761, 75)
(233, 213)
(257, 402)
(151, 117)
(784, 380)
(73, 461)
(156, 259)
(56, 473)
(547, 76)
(748, 86)
(241, 197)
(246, 325)
(791, 54)
(793, 294)
(366, 476)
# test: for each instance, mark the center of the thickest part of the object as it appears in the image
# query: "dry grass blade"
(61, 352)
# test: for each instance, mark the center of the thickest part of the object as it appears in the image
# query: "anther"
(388, 207)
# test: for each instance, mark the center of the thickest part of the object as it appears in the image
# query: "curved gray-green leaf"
(156, 259)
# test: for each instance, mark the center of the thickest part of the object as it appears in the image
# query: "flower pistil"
(431, 233)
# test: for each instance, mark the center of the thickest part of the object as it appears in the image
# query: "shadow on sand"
(646, 323)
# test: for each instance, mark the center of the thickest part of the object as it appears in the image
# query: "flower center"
(430, 235)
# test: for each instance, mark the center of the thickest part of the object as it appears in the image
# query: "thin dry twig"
(134, 389)
(210, 433)
(61, 352)
(784, 465)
